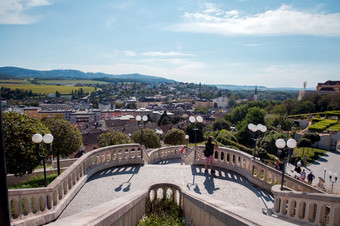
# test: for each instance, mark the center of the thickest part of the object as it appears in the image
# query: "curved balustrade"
(42, 205)
(255, 171)
(46, 204)
(164, 153)
(198, 210)
(319, 209)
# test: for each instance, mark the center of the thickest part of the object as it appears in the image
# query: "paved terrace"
(116, 182)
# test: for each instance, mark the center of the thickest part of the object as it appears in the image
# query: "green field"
(47, 89)
(14, 81)
(70, 82)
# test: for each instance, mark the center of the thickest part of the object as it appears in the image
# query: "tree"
(113, 138)
(256, 116)
(21, 157)
(149, 138)
(164, 119)
(191, 132)
(313, 137)
(67, 137)
(201, 110)
(174, 137)
(118, 105)
(220, 124)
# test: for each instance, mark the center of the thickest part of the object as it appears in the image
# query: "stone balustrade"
(255, 171)
(312, 208)
(41, 205)
(164, 153)
(37, 206)
(130, 209)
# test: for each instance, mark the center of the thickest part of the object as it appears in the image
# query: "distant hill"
(6, 72)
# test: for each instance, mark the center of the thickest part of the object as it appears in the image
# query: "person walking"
(209, 154)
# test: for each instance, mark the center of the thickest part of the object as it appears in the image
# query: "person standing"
(209, 154)
(303, 175)
(310, 178)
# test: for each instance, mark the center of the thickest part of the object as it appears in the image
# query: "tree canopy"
(174, 137)
(67, 137)
(112, 138)
(149, 138)
(21, 156)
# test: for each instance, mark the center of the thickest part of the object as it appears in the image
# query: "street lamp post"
(48, 138)
(283, 151)
(333, 180)
(4, 203)
(192, 119)
(256, 131)
(140, 119)
(186, 142)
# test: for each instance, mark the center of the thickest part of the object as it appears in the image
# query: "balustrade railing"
(37, 206)
(197, 210)
(41, 205)
(255, 171)
(312, 208)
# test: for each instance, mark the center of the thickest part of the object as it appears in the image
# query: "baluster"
(27, 205)
(334, 218)
(35, 202)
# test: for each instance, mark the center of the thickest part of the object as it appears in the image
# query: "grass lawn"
(47, 89)
(312, 153)
(41, 166)
(14, 81)
(70, 82)
(35, 182)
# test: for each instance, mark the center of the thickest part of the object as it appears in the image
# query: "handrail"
(42, 205)
(130, 209)
(255, 171)
(313, 208)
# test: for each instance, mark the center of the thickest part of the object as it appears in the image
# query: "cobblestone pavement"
(117, 182)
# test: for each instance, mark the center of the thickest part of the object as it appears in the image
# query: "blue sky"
(241, 42)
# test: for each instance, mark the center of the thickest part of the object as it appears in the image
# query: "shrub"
(162, 212)
(174, 137)
(113, 138)
(149, 139)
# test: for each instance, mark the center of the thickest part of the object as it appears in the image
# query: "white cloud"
(129, 53)
(166, 54)
(282, 21)
(253, 44)
(13, 11)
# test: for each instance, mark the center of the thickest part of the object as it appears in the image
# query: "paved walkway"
(329, 162)
(116, 182)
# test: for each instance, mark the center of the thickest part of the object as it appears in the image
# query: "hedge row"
(332, 113)
(322, 125)
(336, 128)
(315, 120)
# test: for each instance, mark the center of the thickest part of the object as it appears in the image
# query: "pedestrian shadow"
(223, 174)
(209, 184)
(220, 174)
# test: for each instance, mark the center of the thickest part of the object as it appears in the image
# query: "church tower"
(255, 94)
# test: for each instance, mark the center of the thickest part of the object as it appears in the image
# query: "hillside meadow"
(47, 89)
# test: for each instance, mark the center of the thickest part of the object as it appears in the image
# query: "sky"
(240, 42)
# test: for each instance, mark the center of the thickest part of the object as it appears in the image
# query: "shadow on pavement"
(132, 169)
(222, 174)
